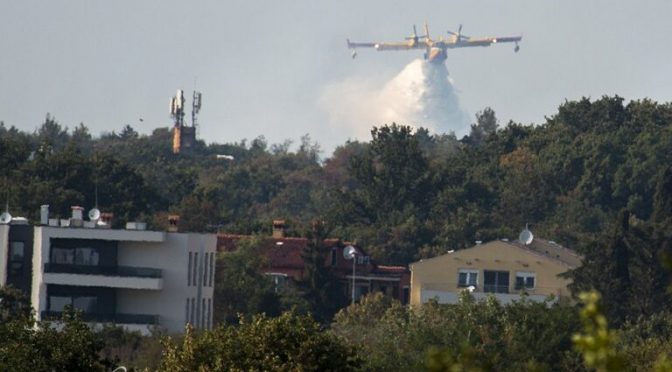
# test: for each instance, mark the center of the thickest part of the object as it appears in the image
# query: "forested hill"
(403, 195)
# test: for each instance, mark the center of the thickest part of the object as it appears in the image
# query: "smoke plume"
(421, 95)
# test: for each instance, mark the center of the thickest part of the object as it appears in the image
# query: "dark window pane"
(503, 278)
(496, 281)
(62, 256)
(16, 251)
(490, 277)
(520, 282)
(58, 303)
(462, 279)
(529, 282)
(85, 304)
(16, 269)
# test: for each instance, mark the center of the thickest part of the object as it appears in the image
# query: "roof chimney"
(173, 221)
(105, 220)
(76, 220)
(44, 214)
(279, 229)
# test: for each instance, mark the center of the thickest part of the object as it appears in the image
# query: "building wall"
(440, 274)
(169, 252)
(172, 257)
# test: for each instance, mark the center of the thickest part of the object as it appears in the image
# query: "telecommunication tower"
(184, 136)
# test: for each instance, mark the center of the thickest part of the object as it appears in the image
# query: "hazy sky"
(263, 67)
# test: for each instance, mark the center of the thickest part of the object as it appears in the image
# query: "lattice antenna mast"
(195, 108)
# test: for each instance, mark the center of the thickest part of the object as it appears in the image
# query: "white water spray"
(421, 95)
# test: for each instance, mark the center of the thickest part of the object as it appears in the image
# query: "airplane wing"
(486, 41)
(397, 46)
(400, 45)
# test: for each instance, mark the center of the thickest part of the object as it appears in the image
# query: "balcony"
(106, 318)
(103, 276)
(140, 272)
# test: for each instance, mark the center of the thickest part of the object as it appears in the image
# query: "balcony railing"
(492, 288)
(107, 318)
(141, 272)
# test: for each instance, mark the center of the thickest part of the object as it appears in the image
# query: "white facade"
(139, 279)
(4, 251)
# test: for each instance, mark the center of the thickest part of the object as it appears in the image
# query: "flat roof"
(103, 234)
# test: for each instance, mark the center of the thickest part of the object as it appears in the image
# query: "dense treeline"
(404, 195)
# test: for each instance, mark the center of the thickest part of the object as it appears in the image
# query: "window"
(279, 279)
(62, 256)
(525, 280)
(186, 313)
(407, 295)
(16, 252)
(75, 256)
(333, 256)
(466, 278)
(58, 303)
(189, 271)
(205, 270)
(203, 313)
(86, 304)
(362, 260)
(193, 311)
(495, 281)
(195, 269)
(209, 312)
(212, 268)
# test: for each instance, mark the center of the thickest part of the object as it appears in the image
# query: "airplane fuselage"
(436, 55)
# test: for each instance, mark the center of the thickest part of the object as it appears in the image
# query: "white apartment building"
(134, 278)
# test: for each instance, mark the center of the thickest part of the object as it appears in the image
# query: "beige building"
(501, 268)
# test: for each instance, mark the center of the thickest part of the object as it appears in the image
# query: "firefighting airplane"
(435, 50)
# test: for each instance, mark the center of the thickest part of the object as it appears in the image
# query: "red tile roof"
(287, 253)
(283, 252)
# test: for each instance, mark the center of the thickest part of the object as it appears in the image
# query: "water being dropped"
(421, 95)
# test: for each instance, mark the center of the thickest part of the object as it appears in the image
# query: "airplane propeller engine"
(458, 35)
(414, 35)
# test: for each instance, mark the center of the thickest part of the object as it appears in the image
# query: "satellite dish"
(5, 218)
(94, 214)
(526, 236)
(471, 288)
(349, 252)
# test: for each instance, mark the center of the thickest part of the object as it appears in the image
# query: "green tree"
(319, 286)
(289, 342)
(240, 287)
(29, 346)
(485, 126)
